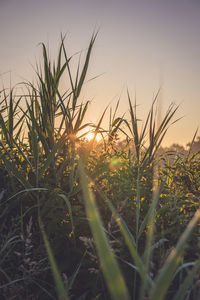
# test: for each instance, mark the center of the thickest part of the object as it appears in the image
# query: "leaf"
(61, 291)
(166, 274)
(187, 282)
(66, 199)
(109, 266)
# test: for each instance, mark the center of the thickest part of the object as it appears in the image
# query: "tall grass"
(153, 289)
(48, 168)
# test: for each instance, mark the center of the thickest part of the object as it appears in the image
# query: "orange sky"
(141, 45)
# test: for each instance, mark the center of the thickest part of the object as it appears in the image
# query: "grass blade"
(166, 274)
(110, 268)
(61, 291)
(128, 237)
(187, 282)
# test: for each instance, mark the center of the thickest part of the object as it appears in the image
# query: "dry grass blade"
(84, 70)
(134, 125)
(191, 144)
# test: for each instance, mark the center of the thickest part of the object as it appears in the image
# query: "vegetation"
(88, 220)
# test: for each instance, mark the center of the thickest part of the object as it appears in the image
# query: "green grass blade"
(3, 128)
(166, 274)
(66, 199)
(149, 241)
(110, 268)
(22, 192)
(84, 70)
(12, 169)
(48, 161)
(10, 115)
(61, 291)
(128, 237)
(187, 282)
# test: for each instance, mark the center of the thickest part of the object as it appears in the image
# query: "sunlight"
(89, 134)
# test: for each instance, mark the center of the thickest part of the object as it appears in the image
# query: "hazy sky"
(141, 45)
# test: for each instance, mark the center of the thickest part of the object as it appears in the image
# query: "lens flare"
(114, 164)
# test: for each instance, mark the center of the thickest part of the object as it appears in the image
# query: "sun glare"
(89, 135)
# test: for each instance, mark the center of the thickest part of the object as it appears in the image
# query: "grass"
(110, 222)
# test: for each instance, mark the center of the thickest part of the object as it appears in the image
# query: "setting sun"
(88, 134)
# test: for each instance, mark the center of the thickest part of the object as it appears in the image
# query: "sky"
(141, 45)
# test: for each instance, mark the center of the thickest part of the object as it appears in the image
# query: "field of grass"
(87, 220)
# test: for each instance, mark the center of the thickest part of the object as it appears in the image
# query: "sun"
(88, 134)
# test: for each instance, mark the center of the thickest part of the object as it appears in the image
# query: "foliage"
(110, 222)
